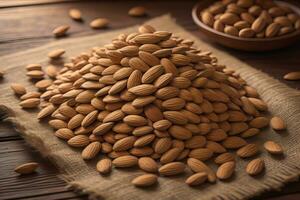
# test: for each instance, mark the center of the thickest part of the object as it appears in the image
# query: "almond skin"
(104, 166)
(145, 180)
(226, 170)
(27, 168)
(148, 164)
(172, 169)
(255, 167)
(125, 161)
(277, 124)
(196, 179)
(273, 147)
(91, 150)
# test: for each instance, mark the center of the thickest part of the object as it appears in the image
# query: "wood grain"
(29, 23)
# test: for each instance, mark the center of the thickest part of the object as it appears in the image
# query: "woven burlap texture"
(282, 101)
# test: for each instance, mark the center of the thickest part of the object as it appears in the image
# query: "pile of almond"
(150, 99)
(251, 18)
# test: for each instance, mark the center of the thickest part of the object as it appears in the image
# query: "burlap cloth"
(282, 101)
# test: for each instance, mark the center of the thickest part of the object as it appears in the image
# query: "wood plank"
(18, 3)
(35, 186)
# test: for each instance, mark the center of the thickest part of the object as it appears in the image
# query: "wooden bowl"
(246, 44)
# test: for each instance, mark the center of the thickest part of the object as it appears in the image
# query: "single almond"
(104, 166)
(60, 30)
(137, 11)
(125, 161)
(172, 169)
(75, 14)
(145, 180)
(255, 167)
(196, 179)
(226, 170)
(30, 103)
(292, 76)
(248, 151)
(18, 88)
(273, 147)
(135, 120)
(91, 150)
(27, 168)
(277, 123)
(99, 23)
(57, 53)
(78, 141)
(148, 164)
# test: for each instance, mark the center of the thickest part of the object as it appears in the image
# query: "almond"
(75, 14)
(124, 144)
(78, 141)
(137, 11)
(30, 103)
(226, 170)
(99, 23)
(198, 166)
(201, 154)
(91, 150)
(134, 79)
(173, 104)
(64, 133)
(135, 120)
(223, 158)
(255, 166)
(27, 168)
(259, 122)
(259, 24)
(29, 95)
(125, 161)
(18, 88)
(147, 38)
(148, 164)
(292, 76)
(207, 18)
(234, 142)
(273, 147)
(172, 169)
(148, 58)
(277, 124)
(60, 30)
(57, 53)
(169, 66)
(145, 180)
(170, 155)
(248, 151)
(180, 133)
(196, 179)
(153, 73)
(104, 166)
(162, 145)
(138, 64)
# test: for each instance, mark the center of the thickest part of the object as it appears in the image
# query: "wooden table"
(29, 23)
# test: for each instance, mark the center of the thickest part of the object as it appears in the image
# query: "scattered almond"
(277, 123)
(292, 76)
(60, 30)
(57, 53)
(27, 168)
(273, 147)
(75, 14)
(145, 180)
(99, 23)
(137, 11)
(255, 167)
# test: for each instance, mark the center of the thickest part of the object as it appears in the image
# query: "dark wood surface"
(29, 23)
